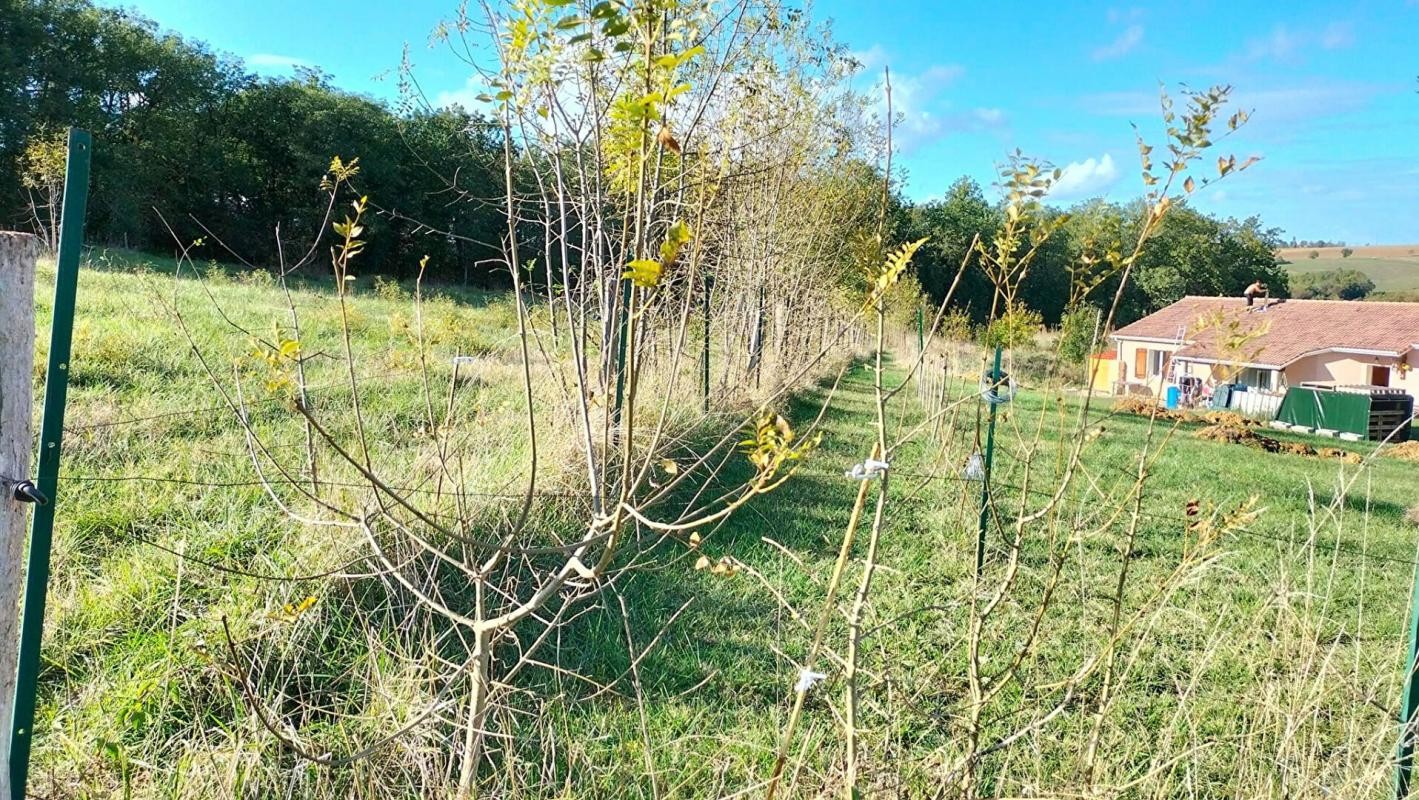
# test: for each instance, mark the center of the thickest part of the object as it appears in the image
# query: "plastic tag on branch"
(867, 470)
(975, 467)
(997, 389)
(807, 679)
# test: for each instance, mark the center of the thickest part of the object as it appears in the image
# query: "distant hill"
(1393, 268)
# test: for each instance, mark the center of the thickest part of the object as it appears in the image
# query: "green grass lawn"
(1225, 640)
(1389, 274)
(1272, 671)
(155, 463)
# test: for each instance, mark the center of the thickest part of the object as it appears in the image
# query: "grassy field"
(1271, 668)
(1282, 622)
(1393, 268)
(156, 463)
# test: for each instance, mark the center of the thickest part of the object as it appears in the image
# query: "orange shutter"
(1140, 363)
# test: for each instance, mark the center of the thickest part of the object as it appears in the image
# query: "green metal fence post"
(920, 329)
(56, 387)
(1404, 765)
(623, 328)
(756, 345)
(989, 459)
(705, 355)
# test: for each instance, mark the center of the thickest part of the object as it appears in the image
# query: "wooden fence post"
(17, 259)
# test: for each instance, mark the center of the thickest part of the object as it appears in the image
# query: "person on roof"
(1256, 288)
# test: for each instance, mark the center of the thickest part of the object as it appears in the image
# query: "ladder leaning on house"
(1175, 374)
(1171, 376)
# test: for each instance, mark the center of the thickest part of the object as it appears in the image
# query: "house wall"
(1408, 379)
(1348, 369)
(1338, 368)
(1128, 359)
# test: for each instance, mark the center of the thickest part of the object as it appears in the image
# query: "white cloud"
(916, 104)
(1337, 35)
(1287, 45)
(1117, 15)
(1277, 45)
(1298, 103)
(871, 58)
(989, 116)
(1125, 43)
(1088, 178)
(922, 114)
(272, 61)
(466, 96)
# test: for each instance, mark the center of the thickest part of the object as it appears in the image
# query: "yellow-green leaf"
(644, 272)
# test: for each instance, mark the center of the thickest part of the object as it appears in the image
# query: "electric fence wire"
(450, 492)
(214, 409)
(563, 496)
(1184, 520)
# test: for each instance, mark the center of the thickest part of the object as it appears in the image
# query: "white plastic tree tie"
(807, 679)
(867, 470)
(975, 467)
(998, 392)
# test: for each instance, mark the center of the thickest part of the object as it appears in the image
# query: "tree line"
(194, 146)
(1192, 253)
(187, 135)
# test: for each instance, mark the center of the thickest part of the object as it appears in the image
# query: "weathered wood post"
(18, 252)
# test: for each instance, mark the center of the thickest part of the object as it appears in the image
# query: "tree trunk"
(17, 259)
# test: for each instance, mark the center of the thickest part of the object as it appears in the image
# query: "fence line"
(248, 404)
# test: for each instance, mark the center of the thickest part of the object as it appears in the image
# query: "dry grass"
(1147, 406)
(1231, 433)
(1405, 451)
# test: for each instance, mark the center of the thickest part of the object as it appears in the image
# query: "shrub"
(1313, 254)
(1346, 252)
(1076, 333)
(215, 273)
(389, 289)
(1034, 367)
(1332, 284)
(956, 326)
(1014, 328)
(256, 278)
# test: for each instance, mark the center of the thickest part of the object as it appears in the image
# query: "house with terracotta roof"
(1270, 346)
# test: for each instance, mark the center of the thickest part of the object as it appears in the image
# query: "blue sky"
(1332, 86)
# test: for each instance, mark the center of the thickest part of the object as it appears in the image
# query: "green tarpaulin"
(1371, 416)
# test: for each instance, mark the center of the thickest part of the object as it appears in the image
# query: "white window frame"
(1258, 378)
(1156, 360)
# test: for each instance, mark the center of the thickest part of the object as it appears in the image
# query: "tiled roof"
(1284, 331)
